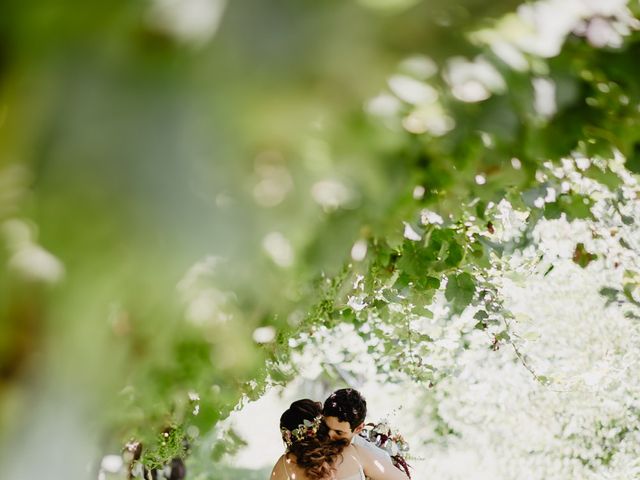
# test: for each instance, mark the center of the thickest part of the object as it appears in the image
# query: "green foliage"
(169, 444)
(225, 472)
(582, 257)
(460, 290)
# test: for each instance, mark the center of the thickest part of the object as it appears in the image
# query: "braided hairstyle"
(315, 454)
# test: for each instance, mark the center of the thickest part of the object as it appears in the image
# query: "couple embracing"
(323, 442)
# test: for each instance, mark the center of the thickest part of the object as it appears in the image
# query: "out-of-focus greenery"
(226, 473)
(181, 181)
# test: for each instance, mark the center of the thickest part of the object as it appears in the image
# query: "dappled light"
(212, 209)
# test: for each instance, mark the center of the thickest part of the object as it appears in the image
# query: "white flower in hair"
(308, 428)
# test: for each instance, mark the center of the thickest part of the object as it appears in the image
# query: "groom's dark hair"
(347, 405)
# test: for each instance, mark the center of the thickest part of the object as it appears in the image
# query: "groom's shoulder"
(360, 441)
(364, 443)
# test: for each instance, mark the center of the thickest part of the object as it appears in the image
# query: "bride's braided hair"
(315, 453)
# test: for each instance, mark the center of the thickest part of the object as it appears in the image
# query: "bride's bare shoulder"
(350, 448)
(278, 472)
(350, 451)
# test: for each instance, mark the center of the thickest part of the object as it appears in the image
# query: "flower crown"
(308, 428)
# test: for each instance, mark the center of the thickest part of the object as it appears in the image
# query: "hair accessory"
(308, 428)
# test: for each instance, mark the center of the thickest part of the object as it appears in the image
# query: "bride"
(312, 455)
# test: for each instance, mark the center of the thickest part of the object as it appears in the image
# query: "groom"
(344, 415)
